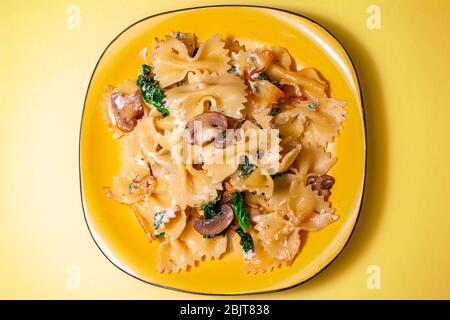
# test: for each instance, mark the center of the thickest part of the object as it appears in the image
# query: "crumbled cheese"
(161, 217)
(248, 255)
(312, 105)
(177, 134)
(111, 114)
(169, 214)
(119, 101)
(271, 158)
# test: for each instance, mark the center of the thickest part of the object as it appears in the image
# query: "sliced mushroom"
(125, 111)
(206, 127)
(217, 224)
(322, 184)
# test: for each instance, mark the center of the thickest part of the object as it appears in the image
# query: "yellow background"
(405, 219)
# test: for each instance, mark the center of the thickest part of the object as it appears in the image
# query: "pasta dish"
(225, 146)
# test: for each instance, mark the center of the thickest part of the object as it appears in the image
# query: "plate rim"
(259, 292)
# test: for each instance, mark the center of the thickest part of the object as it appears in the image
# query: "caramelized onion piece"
(259, 60)
(226, 197)
(217, 224)
(125, 111)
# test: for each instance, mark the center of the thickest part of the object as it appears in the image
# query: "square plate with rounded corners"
(114, 227)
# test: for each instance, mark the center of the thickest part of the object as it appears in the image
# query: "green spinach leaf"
(246, 168)
(150, 90)
(241, 213)
(246, 240)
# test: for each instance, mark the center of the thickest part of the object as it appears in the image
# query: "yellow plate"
(114, 227)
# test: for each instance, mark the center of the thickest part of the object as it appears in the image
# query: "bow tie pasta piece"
(279, 201)
(246, 63)
(264, 95)
(313, 160)
(159, 137)
(188, 39)
(174, 227)
(219, 172)
(288, 158)
(202, 246)
(318, 121)
(308, 80)
(163, 194)
(282, 58)
(223, 93)
(189, 187)
(189, 248)
(133, 183)
(324, 119)
(256, 182)
(174, 256)
(292, 198)
(276, 244)
(233, 46)
(150, 142)
(305, 204)
(261, 262)
(172, 62)
(219, 164)
(319, 221)
(145, 215)
(266, 153)
(279, 237)
(158, 221)
(289, 124)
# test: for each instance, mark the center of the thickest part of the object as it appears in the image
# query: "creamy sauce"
(111, 114)
(143, 54)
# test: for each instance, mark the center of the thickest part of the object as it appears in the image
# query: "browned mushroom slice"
(216, 224)
(226, 197)
(125, 111)
(322, 184)
(205, 127)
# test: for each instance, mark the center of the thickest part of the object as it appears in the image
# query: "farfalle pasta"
(172, 61)
(222, 144)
